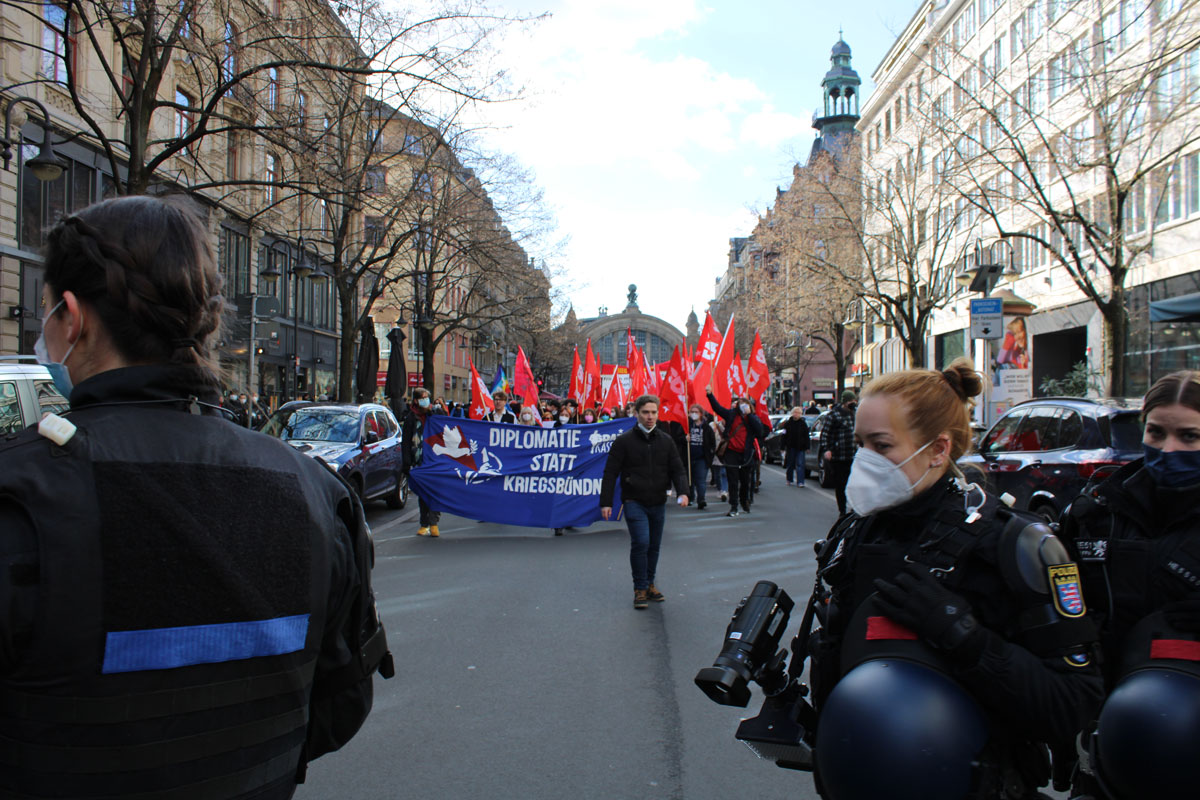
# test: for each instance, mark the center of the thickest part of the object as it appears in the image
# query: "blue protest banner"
(516, 474)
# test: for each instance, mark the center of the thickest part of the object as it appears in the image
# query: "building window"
(271, 178)
(373, 231)
(229, 63)
(412, 145)
(235, 262)
(375, 179)
(58, 42)
(185, 120)
(302, 109)
(423, 183)
(272, 88)
(232, 157)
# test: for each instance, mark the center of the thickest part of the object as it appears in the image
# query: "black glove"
(920, 602)
(1184, 615)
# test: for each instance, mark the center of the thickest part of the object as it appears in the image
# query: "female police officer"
(945, 662)
(1137, 537)
(186, 605)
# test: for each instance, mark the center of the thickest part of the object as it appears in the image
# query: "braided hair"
(145, 265)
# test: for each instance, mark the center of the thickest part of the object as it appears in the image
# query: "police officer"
(186, 605)
(1137, 538)
(946, 660)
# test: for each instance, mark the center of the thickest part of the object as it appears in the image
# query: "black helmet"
(1146, 736)
(901, 730)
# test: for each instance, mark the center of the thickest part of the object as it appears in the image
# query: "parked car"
(26, 394)
(814, 461)
(773, 446)
(1044, 451)
(360, 442)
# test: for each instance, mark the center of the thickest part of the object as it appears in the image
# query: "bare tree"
(1083, 161)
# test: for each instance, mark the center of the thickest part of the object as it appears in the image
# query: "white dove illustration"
(454, 446)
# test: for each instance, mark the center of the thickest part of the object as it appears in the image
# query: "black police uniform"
(1028, 671)
(185, 605)
(1138, 546)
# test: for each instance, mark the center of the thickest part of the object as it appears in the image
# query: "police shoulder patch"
(1066, 589)
(1078, 660)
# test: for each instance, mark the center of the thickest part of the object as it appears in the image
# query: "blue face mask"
(1173, 469)
(57, 369)
(423, 402)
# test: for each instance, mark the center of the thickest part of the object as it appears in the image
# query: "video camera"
(783, 730)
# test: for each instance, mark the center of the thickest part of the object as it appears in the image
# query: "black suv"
(1044, 451)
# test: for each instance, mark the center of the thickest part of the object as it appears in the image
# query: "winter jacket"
(647, 464)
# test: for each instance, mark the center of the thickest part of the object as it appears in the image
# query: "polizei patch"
(1068, 593)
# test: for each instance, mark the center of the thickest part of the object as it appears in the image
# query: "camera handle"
(800, 640)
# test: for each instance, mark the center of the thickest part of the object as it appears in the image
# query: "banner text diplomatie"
(515, 474)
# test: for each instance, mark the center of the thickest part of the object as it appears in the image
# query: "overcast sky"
(658, 128)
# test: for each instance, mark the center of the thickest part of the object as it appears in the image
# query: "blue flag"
(498, 381)
(516, 474)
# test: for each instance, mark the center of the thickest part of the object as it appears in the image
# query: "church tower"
(841, 85)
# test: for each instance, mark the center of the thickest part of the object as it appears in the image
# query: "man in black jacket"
(647, 462)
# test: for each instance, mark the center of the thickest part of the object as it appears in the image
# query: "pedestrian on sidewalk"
(413, 437)
(837, 444)
(645, 460)
(742, 427)
(796, 439)
(701, 444)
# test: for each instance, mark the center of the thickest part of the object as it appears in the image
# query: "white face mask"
(563, 419)
(527, 417)
(745, 407)
(876, 483)
(694, 416)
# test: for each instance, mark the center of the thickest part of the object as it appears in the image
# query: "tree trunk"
(1116, 323)
(349, 324)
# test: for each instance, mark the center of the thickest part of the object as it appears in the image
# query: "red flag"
(576, 390)
(481, 398)
(524, 384)
(761, 410)
(710, 340)
(615, 397)
(722, 388)
(672, 395)
(737, 380)
(758, 379)
(644, 369)
(591, 379)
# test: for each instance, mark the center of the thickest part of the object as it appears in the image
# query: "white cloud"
(769, 128)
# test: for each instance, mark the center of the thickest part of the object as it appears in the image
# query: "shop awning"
(1185, 308)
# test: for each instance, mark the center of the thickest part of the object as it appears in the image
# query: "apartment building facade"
(1056, 144)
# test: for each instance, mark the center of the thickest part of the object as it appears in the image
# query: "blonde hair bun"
(963, 378)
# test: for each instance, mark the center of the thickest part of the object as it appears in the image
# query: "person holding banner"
(645, 460)
(412, 451)
(742, 428)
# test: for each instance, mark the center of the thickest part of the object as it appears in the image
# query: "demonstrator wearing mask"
(413, 437)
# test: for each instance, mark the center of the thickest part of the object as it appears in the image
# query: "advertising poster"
(1011, 367)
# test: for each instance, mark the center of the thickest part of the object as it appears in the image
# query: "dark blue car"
(1043, 452)
(360, 442)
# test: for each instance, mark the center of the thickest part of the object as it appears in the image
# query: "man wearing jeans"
(647, 463)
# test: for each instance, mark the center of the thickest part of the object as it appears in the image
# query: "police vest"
(182, 602)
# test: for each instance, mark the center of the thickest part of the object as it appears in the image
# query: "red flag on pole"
(737, 381)
(524, 384)
(672, 395)
(644, 368)
(591, 378)
(710, 340)
(615, 397)
(758, 379)
(576, 390)
(481, 398)
(722, 388)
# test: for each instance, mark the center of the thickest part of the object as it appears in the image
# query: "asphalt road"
(523, 671)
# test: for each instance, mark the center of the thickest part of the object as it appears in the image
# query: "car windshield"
(1126, 431)
(314, 425)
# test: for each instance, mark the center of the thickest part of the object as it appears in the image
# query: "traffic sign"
(987, 318)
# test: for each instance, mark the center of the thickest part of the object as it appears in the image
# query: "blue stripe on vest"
(167, 648)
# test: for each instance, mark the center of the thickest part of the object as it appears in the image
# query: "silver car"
(26, 394)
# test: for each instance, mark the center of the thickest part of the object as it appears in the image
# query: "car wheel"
(824, 474)
(399, 496)
(1046, 512)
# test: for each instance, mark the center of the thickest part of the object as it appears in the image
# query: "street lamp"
(46, 165)
(300, 270)
(983, 265)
